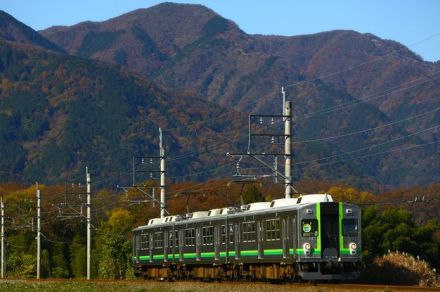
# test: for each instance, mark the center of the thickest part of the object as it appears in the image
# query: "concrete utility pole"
(3, 239)
(89, 222)
(38, 231)
(283, 93)
(288, 148)
(162, 175)
(153, 194)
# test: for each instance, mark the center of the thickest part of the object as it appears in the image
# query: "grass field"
(119, 286)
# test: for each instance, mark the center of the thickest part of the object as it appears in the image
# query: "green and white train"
(310, 238)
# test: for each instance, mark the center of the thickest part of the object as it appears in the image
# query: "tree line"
(387, 224)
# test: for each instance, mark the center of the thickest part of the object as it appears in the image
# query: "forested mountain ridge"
(193, 49)
(61, 112)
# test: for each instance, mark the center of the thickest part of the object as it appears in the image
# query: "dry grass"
(396, 268)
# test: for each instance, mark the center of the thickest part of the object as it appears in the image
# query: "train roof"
(251, 209)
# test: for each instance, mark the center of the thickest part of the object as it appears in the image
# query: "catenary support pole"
(38, 231)
(162, 175)
(288, 148)
(89, 222)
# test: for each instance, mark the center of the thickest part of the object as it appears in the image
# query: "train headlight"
(307, 248)
(353, 247)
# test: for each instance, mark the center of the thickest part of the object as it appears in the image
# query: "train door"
(329, 231)
(151, 245)
(285, 236)
(165, 245)
(172, 243)
(260, 239)
(217, 242)
(198, 242)
(294, 238)
(237, 238)
(180, 243)
(230, 240)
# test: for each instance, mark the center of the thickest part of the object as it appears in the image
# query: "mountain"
(191, 48)
(13, 30)
(188, 70)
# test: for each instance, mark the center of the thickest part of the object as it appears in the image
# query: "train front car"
(329, 241)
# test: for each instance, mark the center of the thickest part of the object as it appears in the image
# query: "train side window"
(144, 241)
(190, 237)
(170, 239)
(176, 238)
(249, 231)
(273, 229)
(309, 227)
(349, 227)
(223, 234)
(231, 233)
(208, 235)
(158, 240)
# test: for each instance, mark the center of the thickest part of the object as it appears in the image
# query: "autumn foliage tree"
(114, 249)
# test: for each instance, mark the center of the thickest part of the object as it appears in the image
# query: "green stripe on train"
(273, 252)
(247, 253)
(144, 258)
(207, 254)
(189, 255)
(230, 254)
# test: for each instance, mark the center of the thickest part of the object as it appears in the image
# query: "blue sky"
(414, 23)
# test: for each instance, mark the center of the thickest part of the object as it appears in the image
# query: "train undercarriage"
(251, 272)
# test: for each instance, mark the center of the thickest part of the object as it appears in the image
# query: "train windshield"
(349, 227)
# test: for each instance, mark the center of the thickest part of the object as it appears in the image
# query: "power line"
(204, 171)
(375, 59)
(362, 99)
(369, 129)
(335, 73)
(367, 147)
(377, 153)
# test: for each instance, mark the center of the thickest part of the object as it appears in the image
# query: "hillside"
(60, 113)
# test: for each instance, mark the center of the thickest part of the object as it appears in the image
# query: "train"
(308, 238)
